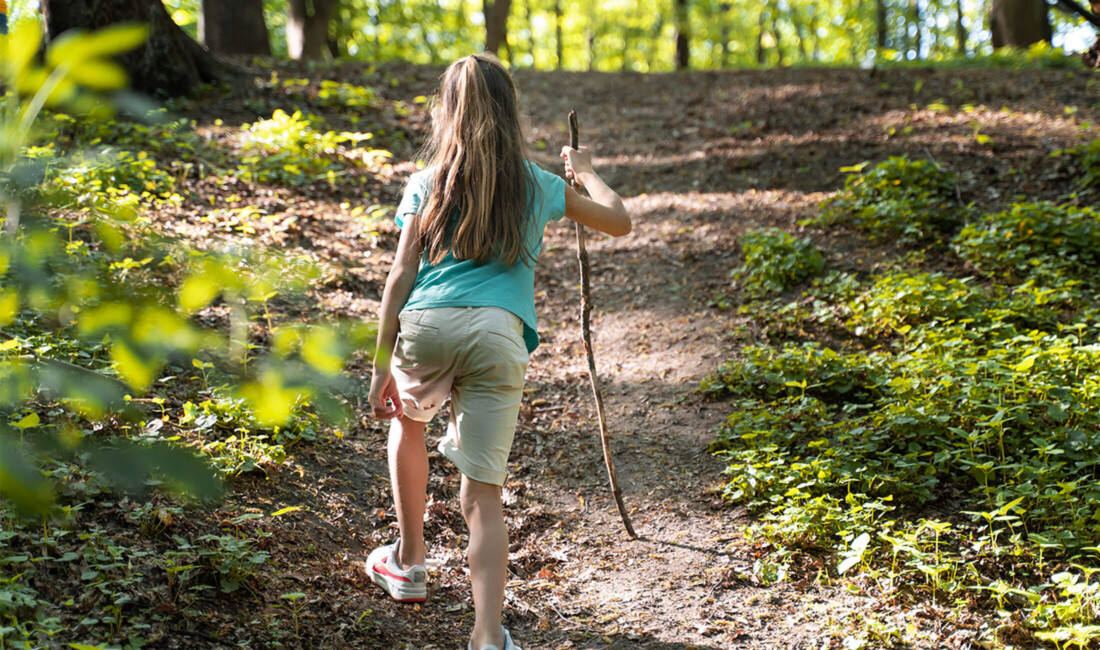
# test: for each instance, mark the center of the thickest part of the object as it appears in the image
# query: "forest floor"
(700, 159)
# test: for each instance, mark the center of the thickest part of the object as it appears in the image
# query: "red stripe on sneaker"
(384, 570)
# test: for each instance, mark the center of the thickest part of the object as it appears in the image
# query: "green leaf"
(1025, 365)
(77, 46)
(31, 420)
(99, 75)
(19, 48)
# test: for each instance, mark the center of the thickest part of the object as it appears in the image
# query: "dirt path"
(701, 158)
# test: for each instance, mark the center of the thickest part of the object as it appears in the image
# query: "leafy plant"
(1034, 240)
(776, 261)
(911, 200)
(287, 150)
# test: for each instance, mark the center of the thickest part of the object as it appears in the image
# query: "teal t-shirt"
(465, 283)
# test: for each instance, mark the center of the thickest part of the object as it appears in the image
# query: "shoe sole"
(398, 591)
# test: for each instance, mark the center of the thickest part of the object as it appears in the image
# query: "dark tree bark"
(496, 24)
(960, 29)
(683, 38)
(234, 27)
(307, 24)
(558, 33)
(170, 62)
(1019, 23)
(723, 46)
(760, 39)
(880, 24)
(915, 22)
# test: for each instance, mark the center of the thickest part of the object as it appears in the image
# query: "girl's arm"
(399, 285)
(605, 210)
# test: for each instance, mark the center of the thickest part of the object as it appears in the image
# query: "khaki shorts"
(477, 357)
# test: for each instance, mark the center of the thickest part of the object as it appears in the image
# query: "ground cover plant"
(947, 449)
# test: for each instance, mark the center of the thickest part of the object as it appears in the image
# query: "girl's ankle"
(408, 559)
(478, 641)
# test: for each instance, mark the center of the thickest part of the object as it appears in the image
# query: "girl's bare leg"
(488, 558)
(408, 456)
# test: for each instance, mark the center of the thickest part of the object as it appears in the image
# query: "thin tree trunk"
(723, 45)
(169, 61)
(530, 30)
(307, 25)
(496, 24)
(760, 37)
(799, 28)
(591, 38)
(558, 34)
(626, 49)
(813, 30)
(683, 36)
(658, 28)
(775, 35)
(880, 24)
(337, 40)
(234, 28)
(915, 21)
(960, 29)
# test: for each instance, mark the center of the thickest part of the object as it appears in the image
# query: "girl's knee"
(477, 496)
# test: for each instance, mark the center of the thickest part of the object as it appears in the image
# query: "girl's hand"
(384, 398)
(577, 162)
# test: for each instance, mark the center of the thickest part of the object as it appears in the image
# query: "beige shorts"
(477, 357)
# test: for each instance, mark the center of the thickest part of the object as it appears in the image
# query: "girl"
(458, 320)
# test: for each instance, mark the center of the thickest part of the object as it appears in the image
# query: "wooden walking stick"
(586, 333)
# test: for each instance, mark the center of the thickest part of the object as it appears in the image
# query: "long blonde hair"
(477, 151)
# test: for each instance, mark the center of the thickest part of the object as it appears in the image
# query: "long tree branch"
(1072, 7)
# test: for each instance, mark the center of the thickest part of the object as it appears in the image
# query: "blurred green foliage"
(95, 304)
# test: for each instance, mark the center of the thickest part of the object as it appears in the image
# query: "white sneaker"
(403, 585)
(508, 643)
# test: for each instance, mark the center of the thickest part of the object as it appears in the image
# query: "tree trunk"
(760, 39)
(960, 28)
(880, 24)
(1019, 23)
(658, 28)
(169, 62)
(915, 21)
(530, 30)
(725, 31)
(591, 34)
(799, 27)
(496, 24)
(775, 35)
(307, 28)
(234, 27)
(626, 50)
(558, 33)
(813, 30)
(683, 38)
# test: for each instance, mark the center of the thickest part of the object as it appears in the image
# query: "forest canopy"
(640, 35)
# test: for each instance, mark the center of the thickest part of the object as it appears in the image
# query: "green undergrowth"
(145, 373)
(938, 433)
(776, 261)
(902, 199)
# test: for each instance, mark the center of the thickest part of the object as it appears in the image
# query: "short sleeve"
(410, 201)
(552, 191)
